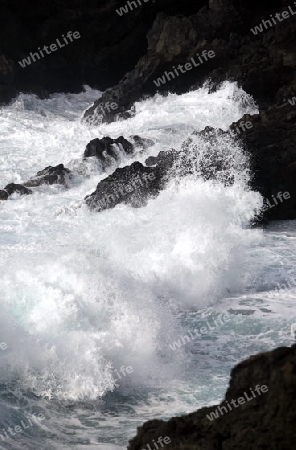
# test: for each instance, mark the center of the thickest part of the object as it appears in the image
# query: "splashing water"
(83, 294)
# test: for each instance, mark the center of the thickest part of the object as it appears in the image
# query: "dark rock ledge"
(50, 175)
(265, 423)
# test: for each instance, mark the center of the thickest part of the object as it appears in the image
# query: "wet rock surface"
(108, 150)
(132, 185)
(266, 421)
(167, 165)
(262, 63)
(13, 188)
(50, 175)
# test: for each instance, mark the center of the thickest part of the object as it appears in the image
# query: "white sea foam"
(82, 293)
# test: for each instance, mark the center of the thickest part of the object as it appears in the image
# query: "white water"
(84, 293)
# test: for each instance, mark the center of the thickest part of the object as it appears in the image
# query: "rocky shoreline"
(263, 64)
(165, 35)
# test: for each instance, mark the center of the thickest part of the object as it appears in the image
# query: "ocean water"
(97, 308)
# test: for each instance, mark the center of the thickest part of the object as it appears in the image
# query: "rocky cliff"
(263, 62)
(258, 411)
(110, 44)
(133, 51)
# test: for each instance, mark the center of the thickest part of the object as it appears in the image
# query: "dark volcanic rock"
(163, 159)
(109, 46)
(17, 188)
(264, 422)
(263, 64)
(132, 185)
(214, 162)
(108, 150)
(3, 195)
(50, 175)
(96, 147)
(271, 142)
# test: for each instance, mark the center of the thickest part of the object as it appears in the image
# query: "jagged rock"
(267, 421)
(108, 150)
(50, 175)
(132, 185)
(258, 62)
(3, 195)
(216, 162)
(179, 31)
(17, 188)
(175, 40)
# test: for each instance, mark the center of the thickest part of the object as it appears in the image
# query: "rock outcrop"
(109, 46)
(13, 188)
(132, 185)
(263, 63)
(271, 141)
(266, 421)
(108, 150)
(162, 36)
(205, 154)
(50, 175)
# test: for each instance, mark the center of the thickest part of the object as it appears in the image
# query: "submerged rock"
(263, 388)
(17, 188)
(141, 143)
(50, 175)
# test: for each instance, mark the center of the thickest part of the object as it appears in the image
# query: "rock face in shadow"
(109, 46)
(263, 64)
(265, 420)
(271, 141)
